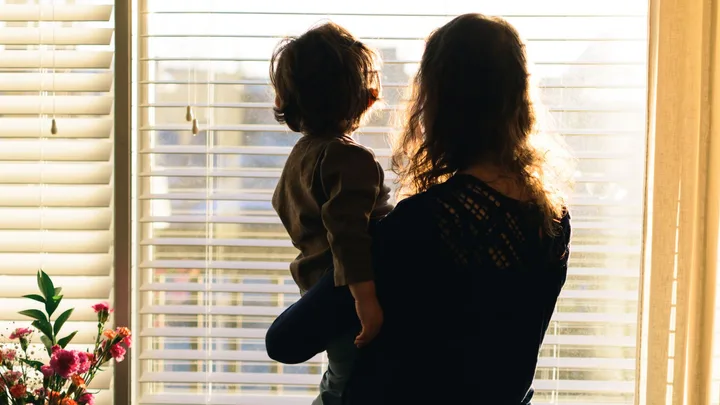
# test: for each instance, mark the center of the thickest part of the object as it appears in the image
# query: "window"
(56, 200)
(213, 256)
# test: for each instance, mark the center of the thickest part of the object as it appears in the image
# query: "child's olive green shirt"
(328, 192)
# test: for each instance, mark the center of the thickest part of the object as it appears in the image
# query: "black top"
(468, 282)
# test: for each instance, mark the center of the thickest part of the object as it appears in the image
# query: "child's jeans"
(341, 355)
(324, 319)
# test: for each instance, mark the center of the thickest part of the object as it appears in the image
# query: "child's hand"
(371, 319)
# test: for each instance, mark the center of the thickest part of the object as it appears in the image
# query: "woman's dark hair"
(324, 80)
(471, 105)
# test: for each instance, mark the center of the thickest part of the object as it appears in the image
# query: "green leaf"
(34, 314)
(33, 363)
(48, 343)
(52, 304)
(58, 290)
(36, 297)
(46, 285)
(40, 282)
(64, 341)
(45, 328)
(62, 319)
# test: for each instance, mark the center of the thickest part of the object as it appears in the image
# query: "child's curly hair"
(324, 81)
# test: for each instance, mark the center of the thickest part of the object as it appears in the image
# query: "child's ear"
(373, 96)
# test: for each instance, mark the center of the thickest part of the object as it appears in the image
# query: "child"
(331, 188)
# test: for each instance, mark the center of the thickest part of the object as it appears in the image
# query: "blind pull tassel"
(189, 116)
(53, 127)
(195, 127)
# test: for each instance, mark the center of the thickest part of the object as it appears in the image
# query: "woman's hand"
(371, 319)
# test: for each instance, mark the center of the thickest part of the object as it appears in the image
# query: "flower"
(123, 332)
(20, 333)
(40, 392)
(55, 349)
(128, 341)
(18, 391)
(109, 334)
(78, 381)
(87, 399)
(64, 362)
(12, 377)
(118, 352)
(103, 310)
(101, 307)
(68, 401)
(84, 362)
(8, 354)
(47, 371)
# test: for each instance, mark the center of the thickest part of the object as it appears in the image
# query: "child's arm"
(351, 181)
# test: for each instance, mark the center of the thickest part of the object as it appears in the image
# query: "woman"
(468, 269)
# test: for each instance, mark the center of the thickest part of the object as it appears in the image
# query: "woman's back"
(468, 280)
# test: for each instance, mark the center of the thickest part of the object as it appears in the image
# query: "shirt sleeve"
(351, 180)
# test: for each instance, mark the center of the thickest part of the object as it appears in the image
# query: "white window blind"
(213, 257)
(56, 189)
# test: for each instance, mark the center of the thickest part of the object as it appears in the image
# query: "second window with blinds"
(213, 257)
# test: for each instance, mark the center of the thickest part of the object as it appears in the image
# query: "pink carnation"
(55, 348)
(8, 354)
(20, 333)
(128, 341)
(64, 362)
(47, 371)
(84, 362)
(12, 376)
(118, 352)
(18, 391)
(101, 307)
(86, 399)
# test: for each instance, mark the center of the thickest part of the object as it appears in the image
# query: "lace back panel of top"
(481, 228)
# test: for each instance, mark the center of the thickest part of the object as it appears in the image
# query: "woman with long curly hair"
(470, 265)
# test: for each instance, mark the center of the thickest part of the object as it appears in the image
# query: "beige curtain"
(682, 204)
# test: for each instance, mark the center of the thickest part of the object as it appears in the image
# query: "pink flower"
(8, 354)
(118, 352)
(40, 392)
(18, 391)
(55, 348)
(12, 376)
(20, 333)
(86, 399)
(84, 362)
(101, 307)
(64, 362)
(128, 341)
(47, 371)
(103, 311)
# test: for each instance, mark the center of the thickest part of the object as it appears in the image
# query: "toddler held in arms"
(331, 189)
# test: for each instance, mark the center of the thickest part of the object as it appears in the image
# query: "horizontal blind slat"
(55, 12)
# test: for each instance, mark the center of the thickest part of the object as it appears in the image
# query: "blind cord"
(53, 125)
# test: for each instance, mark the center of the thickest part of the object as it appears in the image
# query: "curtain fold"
(682, 205)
